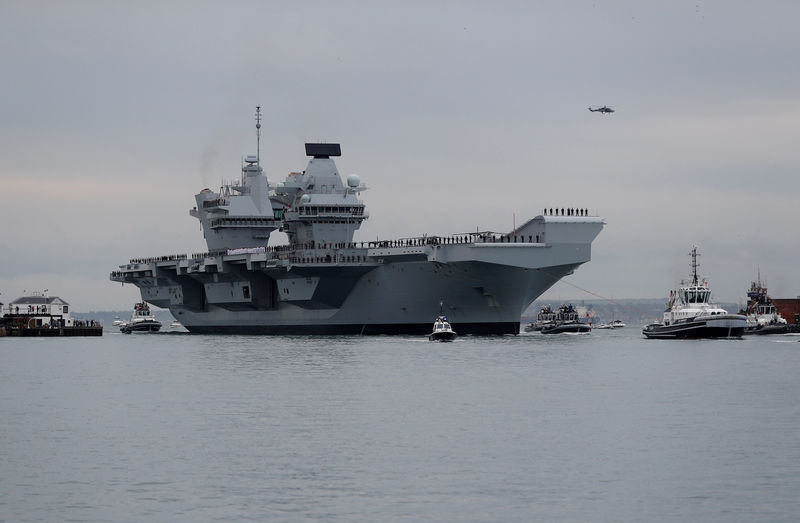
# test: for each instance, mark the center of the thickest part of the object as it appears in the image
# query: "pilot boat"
(442, 331)
(691, 314)
(141, 320)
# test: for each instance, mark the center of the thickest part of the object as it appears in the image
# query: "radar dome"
(353, 180)
(305, 198)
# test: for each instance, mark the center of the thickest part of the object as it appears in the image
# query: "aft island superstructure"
(324, 282)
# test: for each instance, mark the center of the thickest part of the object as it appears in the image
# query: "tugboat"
(442, 331)
(762, 317)
(691, 314)
(566, 320)
(545, 317)
(141, 320)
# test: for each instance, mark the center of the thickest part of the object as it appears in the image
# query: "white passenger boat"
(141, 320)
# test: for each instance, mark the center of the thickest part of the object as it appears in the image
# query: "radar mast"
(694, 265)
(258, 137)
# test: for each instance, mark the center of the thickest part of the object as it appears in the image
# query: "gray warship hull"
(396, 299)
(484, 283)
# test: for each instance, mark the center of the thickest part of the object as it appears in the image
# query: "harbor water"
(600, 427)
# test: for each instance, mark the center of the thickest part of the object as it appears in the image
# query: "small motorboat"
(442, 331)
(615, 324)
(117, 322)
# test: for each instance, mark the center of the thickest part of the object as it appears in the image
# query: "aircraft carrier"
(325, 282)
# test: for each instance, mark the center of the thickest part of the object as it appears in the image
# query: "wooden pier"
(20, 325)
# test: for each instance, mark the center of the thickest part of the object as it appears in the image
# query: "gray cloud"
(114, 115)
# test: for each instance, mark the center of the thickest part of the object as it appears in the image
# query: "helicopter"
(605, 110)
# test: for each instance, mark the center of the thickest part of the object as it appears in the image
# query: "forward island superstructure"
(324, 282)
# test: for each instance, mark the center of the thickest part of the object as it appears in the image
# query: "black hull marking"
(482, 329)
(694, 332)
(768, 330)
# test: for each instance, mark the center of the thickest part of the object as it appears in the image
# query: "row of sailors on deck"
(451, 240)
(409, 242)
(566, 212)
(169, 257)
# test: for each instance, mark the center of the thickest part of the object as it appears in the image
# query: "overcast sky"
(457, 115)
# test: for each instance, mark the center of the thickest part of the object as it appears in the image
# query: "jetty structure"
(38, 314)
(325, 282)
